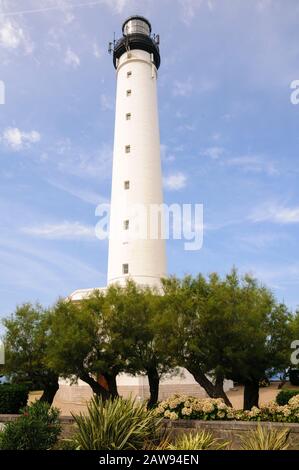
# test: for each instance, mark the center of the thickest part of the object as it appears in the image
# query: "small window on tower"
(128, 148)
(129, 74)
(125, 269)
(127, 184)
(126, 225)
(129, 92)
(128, 116)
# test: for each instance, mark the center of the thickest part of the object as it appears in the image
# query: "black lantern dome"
(136, 35)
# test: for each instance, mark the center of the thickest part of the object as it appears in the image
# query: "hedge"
(12, 398)
(284, 396)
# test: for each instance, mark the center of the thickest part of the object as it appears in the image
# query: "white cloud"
(275, 213)
(186, 127)
(187, 87)
(175, 181)
(276, 277)
(263, 4)
(189, 9)
(106, 103)
(183, 88)
(62, 231)
(72, 59)
(117, 6)
(166, 154)
(247, 163)
(216, 136)
(41, 269)
(85, 195)
(264, 240)
(91, 164)
(213, 152)
(17, 139)
(254, 163)
(13, 37)
(97, 51)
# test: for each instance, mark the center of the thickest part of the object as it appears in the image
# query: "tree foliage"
(135, 326)
(217, 328)
(79, 345)
(26, 341)
(226, 328)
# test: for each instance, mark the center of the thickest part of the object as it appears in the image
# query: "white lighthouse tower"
(136, 182)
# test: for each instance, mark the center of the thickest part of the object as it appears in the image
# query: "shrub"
(284, 396)
(199, 441)
(262, 438)
(37, 428)
(182, 407)
(115, 425)
(12, 398)
(64, 444)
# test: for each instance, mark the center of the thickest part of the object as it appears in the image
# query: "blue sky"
(229, 137)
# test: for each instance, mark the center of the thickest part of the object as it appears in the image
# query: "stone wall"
(229, 430)
(225, 430)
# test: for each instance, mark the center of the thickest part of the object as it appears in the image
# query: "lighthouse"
(136, 252)
(136, 193)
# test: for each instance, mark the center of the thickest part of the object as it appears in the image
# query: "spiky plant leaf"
(200, 441)
(115, 425)
(263, 438)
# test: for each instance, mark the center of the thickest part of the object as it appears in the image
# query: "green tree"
(25, 342)
(226, 328)
(261, 336)
(79, 345)
(134, 318)
(192, 343)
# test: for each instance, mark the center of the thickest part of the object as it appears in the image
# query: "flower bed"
(183, 407)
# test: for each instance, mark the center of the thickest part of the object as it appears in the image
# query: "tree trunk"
(154, 381)
(97, 388)
(214, 391)
(50, 390)
(251, 395)
(112, 386)
(219, 391)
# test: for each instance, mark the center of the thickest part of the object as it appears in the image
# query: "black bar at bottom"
(138, 459)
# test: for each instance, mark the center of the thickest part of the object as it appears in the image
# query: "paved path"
(236, 397)
(266, 394)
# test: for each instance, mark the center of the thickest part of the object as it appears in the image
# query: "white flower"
(254, 412)
(173, 416)
(222, 406)
(186, 411)
(294, 402)
(208, 407)
(173, 404)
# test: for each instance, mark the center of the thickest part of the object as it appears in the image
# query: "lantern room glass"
(135, 26)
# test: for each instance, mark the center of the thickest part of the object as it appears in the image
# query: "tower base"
(74, 398)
